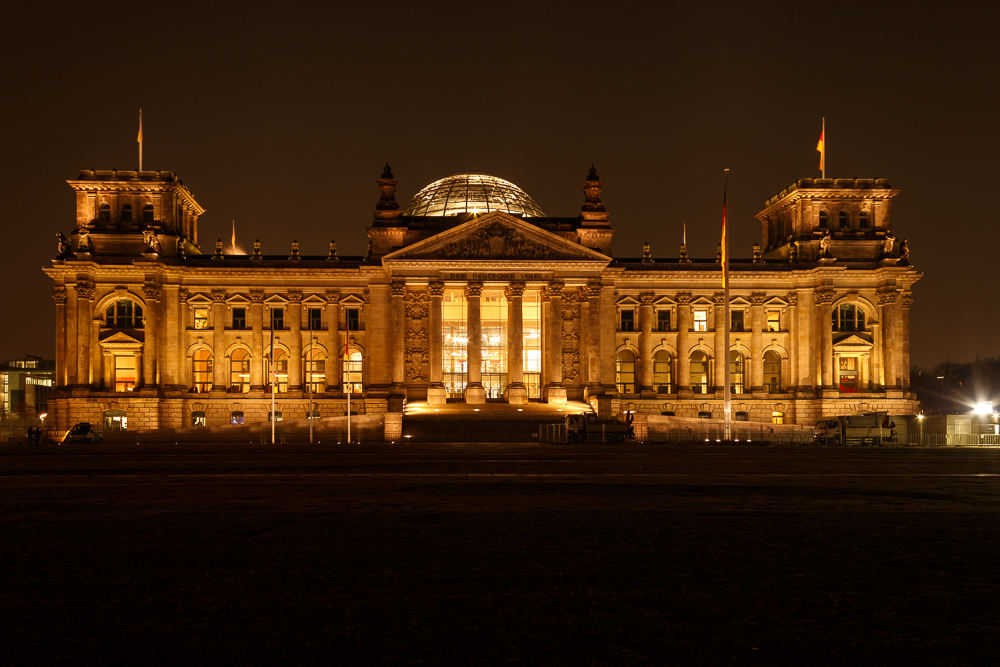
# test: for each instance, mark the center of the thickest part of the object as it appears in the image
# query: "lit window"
(699, 372)
(777, 417)
(848, 317)
(774, 320)
(280, 376)
(276, 416)
(701, 320)
(236, 417)
(353, 379)
(198, 418)
(662, 371)
(124, 314)
(627, 320)
(124, 372)
(202, 370)
(737, 366)
(201, 318)
(625, 372)
(848, 375)
(315, 371)
(736, 317)
(239, 371)
(115, 420)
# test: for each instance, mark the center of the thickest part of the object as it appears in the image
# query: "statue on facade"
(824, 245)
(149, 238)
(890, 241)
(83, 243)
(904, 252)
(63, 244)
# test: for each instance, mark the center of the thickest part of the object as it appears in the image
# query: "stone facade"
(478, 306)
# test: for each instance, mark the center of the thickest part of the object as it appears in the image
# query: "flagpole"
(822, 157)
(727, 406)
(140, 139)
(274, 375)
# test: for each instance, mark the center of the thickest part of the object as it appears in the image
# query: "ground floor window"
(353, 379)
(777, 417)
(312, 414)
(198, 418)
(661, 371)
(201, 365)
(737, 367)
(236, 417)
(772, 372)
(741, 416)
(625, 372)
(239, 371)
(115, 420)
(699, 372)
(276, 415)
(704, 414)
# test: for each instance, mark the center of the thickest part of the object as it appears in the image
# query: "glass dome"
(472, 192)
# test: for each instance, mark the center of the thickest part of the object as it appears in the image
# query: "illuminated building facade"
(471, 294)
(25, 385)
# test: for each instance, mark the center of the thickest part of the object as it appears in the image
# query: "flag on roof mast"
(234, 237)
(821, 147)
(140, 139)
(725, 243)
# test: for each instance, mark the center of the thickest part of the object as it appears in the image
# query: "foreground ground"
(499, 554)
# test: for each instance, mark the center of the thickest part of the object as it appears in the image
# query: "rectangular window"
(627, 320)
(125, 376)
(277, 318)
(239, 318)
(777, 417)
(848, 374)
(774, 320)
(701, 320)
(663, 320)
(277, 416)
(315, 319)
(353, 319)
(201, 318)
(198, 418)
(736, 317)
(236, 417)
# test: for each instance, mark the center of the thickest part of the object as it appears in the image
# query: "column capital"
(792, 298)
(591, 290)
(719, 298)
(85, 291)
(823, 297)
(59, 295)
(647, 299)
(757, 298)
(294, 297)
(218, 295)
(514, 290)
(474, 289)
(436, 288)
(683, 298)
(907, 300)
(256, 296)
(152, 292)
(397, 288)
(887, 297)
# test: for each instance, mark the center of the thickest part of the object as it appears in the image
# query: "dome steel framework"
(472, 192)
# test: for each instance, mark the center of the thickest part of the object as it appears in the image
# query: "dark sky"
(281, 117)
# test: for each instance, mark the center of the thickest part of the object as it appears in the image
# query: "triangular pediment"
(496, 236)
(121, 339)
(852, 341)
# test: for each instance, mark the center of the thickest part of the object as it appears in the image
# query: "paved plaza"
(499, 554)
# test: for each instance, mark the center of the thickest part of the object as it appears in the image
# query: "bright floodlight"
(985, 408)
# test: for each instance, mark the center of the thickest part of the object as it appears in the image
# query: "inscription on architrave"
(570, 339)
(417, 349)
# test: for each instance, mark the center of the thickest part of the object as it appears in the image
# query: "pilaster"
(474, 391)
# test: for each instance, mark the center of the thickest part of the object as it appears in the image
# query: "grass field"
(568, 555)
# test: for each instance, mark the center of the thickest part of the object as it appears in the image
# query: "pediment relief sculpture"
(496, 241)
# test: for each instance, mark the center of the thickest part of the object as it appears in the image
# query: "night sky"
(281, 117)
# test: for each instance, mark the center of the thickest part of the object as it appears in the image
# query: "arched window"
(848, 317)
(625, 372)
(353, 377)
(772, 372)
(201, 366)
(239, 371)
(280, 377)
(115, 420)
(105, 213)
(147, 213)
(127, 213)
(699, 372)
(315, 371)
(863, 220)
(662, 364)
(124, 314)
(843, 220)
(824, 219)
(737, 371)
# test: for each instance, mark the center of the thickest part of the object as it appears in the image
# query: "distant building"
(26, 384)
(471, 293)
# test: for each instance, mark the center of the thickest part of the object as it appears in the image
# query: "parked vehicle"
(82, 432)
(589, 428)
(877, 428)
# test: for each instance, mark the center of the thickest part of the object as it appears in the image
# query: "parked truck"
(588, 427)
(876, 428)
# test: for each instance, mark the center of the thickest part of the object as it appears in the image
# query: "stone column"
(721, 353)
(607, 323)
(151, 292)
(555, 391)
(333, 371)
(517, 392)
(791, 319)
(905, 302)
(474, 391)
(220, 362)
(436, 391)
(824, 329)
(397, 292)
(887, 306)
(84, 315)
(96, 354)
(683, 345)
(174, 350)
(295, 341)
(72, 309)
(756, 365)
(59, 296)
(257, 340)
(592, 338)
(646, 316)
(864, 370)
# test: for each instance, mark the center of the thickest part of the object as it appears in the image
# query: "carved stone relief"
(496, 241)
(416, 356)
(570, 340)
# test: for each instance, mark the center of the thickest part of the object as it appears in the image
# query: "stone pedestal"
(555, 396)
(436, 395)
(517, 394)
(475, 394)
